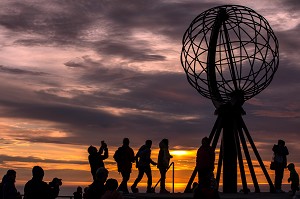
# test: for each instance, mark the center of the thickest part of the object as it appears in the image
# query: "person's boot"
(150, 190)
(134, 189)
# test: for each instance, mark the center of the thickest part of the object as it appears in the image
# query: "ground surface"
(222, 195)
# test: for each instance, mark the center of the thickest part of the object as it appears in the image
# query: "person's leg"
(149, 176)
(278, 177)
(138, 179)
(123, 186)
(162, 179)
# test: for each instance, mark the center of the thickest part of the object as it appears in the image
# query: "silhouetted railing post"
(173, 174)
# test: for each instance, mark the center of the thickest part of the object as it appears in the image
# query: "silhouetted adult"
(143, 161)
(163, 163)
(96, 158)
(36, 188)
(280, 161)
(205, 161)
(9, 190)
(97, 188)
(124, 157)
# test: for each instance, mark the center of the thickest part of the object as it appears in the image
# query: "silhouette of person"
(54, 185)
(96, 158)
(36, 188)
(78, 193)
(111, 190)
(143, 161)
(9, 190)
(205, 160)
(163, 163)
(294, 178)
(280, 161)
(124, 157)
(97, 188)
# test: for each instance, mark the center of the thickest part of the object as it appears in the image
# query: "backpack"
(118, 155)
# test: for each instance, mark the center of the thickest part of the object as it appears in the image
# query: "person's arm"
(286, 151)
(132, 158)
(105, 156)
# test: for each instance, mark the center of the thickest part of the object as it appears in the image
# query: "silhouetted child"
(111, 190)
(294, 178)
(78, 193)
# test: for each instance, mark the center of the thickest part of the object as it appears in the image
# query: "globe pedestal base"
(234, 133)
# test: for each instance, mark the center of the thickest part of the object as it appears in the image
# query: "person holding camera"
(54, 186)
(96, 158)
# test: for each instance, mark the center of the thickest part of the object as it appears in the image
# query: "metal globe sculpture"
(230, 54)
(229, 48)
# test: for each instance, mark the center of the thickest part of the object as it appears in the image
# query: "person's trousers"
(278, 176)
(142, 170)
(163, 172)
(123, 185)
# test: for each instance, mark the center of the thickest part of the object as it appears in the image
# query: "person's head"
(291, 167)
(126, 142)
(101, 174)
(164, 143)
(111, 184)
(11, 175)
(148, 143)
(205, 141)
(38, 173)
(281, 142)
(92, 149)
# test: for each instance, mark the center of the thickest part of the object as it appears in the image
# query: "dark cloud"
(5, 158)
(16, 71)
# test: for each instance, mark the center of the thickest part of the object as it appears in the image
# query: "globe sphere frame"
(246, 54)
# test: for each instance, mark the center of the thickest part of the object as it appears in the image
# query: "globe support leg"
(229, 156)
(272, 188)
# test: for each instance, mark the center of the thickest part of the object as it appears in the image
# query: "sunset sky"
(77, 72)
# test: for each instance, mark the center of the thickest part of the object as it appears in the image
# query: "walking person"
(96, 158)
(143, 161)
(280, 161)
(124, 157)
(163, 163)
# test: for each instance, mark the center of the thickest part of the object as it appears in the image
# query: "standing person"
(96, 158)
(280, 153)
(97, 188)
(124, 157)
(163, 163)
(143, 161)
(205, 161)
(36, 188)
(9, 190)
(294, 178)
